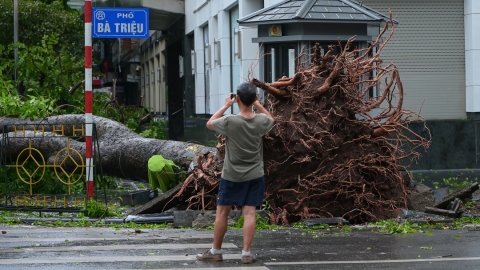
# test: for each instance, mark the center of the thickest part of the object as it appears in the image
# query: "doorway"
(280, 60)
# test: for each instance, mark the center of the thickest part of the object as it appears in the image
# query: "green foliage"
(264, 224)
(64, 2)
(456, 184)
(469, 204)
(155, 130)
(49, 184)
(49, 72)
(302, 225)
(37, 19)
(105, 182)
(133, 225)
(96, 209)
(467, 220)
(395, 227)
(29, 107)
(261, 223)
(132, 124)
(162, 173)
(85, 222)
(99, 101)
(46, 74)
(8, 221)
(239, 223)
(266, 206)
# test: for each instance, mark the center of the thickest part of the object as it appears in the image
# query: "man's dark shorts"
(248, 193)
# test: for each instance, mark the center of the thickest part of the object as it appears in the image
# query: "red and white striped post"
(88, 99)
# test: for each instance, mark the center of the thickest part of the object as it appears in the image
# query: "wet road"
(25, 247)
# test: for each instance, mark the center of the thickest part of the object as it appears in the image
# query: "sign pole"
(15, 34)
(88, 99)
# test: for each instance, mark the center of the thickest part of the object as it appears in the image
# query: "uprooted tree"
(327, 154)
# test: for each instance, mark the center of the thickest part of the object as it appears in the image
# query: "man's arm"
(228, 102)
(261, 109)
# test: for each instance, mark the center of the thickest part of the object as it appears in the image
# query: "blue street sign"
(120, 22)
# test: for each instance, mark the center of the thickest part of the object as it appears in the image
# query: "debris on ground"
(448, 207)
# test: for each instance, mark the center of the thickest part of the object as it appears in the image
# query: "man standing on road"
(243, 182)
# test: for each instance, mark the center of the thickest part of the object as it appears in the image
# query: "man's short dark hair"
(247, 93)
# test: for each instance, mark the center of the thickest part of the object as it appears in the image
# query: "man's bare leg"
(220, 227)
(249, 225)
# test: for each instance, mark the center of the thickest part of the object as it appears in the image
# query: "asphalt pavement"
(34, 247)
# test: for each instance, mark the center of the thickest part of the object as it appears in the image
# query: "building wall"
(212, 60)
(435, 47)
(428, 47)
(152, 78)
(174, 6)
(472, 57)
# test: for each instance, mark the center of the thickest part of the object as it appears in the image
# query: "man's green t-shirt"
(244, 145)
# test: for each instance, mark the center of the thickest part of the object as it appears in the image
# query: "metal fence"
(52, 183)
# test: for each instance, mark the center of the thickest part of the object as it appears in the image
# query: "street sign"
(120, 23)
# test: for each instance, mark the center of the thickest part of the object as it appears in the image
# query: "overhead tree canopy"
(37, 19)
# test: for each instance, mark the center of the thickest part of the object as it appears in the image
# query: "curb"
(178, 218)
(135, 219)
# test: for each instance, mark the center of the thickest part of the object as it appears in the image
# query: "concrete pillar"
(249, 50)
(200, 72)
(225, 65)
(472, 58)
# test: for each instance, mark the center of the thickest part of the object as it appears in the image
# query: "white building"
(222, 51)
(434, 47)
(207, 47)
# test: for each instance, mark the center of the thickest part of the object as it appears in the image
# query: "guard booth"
(290, 27)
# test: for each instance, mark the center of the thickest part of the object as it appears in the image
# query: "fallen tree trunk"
(123, 152)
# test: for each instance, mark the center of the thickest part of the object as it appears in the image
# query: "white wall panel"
(472, 54)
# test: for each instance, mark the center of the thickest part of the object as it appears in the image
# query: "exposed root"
(334, 150)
